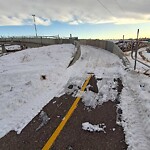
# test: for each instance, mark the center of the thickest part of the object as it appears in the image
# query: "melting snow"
(93, 128)
(44, 119)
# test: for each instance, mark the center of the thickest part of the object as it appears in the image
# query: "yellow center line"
(66, 118)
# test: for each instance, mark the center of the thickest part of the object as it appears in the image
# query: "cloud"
(9, 20)
(74, 12)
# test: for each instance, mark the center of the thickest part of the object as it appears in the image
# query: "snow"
(134, 100)
(13, 47)
(146, 54)
(106, 93)
(44, 119)
(136, 111)
(22, 89)
(114, 41)
(22, 93)
(10, 47)
(140, 67)
(113, 129)
(93, 128)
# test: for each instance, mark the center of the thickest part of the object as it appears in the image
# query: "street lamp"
(34, 24)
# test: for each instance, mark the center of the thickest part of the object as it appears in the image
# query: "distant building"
(73, 38)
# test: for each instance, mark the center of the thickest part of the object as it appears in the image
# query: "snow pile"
(23, 93)
(94, 128)
(73, 86)
(107, 91)
(13, 47)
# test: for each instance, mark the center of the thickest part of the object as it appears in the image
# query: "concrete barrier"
(107, 45)
(34, 42)
(41, 41)
(3, 49)
(77, 54)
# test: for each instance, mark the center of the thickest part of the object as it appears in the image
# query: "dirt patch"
(43, 77)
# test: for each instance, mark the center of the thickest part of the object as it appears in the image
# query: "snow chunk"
(113, 129)
(93, 128)
(44, 118)
(13, 47)
(106, 87)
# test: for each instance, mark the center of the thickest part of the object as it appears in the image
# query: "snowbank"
(93, 128)
(23, 91)
(13, 47)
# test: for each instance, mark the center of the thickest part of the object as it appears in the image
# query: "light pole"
(34, 24)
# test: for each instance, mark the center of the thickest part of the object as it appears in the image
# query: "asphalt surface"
(72, 137)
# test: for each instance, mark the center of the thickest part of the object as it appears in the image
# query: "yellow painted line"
(66, 118)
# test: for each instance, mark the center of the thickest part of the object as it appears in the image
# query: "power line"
(121, 8)
(105, 7)
(35, 25)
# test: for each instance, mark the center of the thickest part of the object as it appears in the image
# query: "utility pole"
(123, 44)
(136, 49)
(123, 39)
(34, 25)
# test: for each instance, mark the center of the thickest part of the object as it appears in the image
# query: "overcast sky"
(74, 12)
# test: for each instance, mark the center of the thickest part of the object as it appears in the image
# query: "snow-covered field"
(23, 93)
